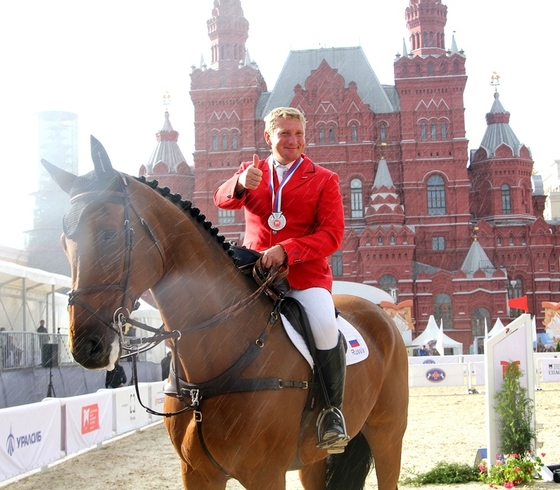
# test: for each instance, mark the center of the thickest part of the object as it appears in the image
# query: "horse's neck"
(199, 283)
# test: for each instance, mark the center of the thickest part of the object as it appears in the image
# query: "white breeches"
(319, 306)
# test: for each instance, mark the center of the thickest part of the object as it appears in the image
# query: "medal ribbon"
(277, 195)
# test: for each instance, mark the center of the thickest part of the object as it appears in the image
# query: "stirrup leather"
(337, 444)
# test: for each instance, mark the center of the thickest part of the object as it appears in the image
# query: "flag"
(520, 303)
(439, 342)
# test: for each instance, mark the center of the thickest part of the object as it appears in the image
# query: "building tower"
(430, 82)
(225, 98)
(58, 143)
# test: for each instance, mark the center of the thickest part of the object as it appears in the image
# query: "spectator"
(115, 378)
(165, 364)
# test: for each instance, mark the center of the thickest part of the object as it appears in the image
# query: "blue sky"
(112, 61)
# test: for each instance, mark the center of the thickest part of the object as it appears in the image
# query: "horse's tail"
(350, 469)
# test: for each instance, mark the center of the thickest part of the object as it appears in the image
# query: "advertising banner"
(550, 369)
(30, 437)
(424, 375)
(89, 420)
(128, 413)
(157, 397)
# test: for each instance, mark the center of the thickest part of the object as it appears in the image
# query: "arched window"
(515, 290)
(215, 141)
(443, 130)
(331, 134)
(224, 141)
(431, 69)
(506, 199)
(383, 133)
(388, 283)
(436, 196)
(423, 131)
(480, 324)
(234, 142)
(336, 263)
(443, 310)
(433, 128)
(354, 133)
(356, 200)
(321, 134)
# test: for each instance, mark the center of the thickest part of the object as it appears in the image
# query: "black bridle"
(119, 318)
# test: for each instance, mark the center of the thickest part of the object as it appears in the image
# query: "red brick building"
(458, 234)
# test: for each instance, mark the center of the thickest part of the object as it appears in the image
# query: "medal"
(276, 221)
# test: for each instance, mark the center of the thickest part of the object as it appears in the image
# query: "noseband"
(121, 315)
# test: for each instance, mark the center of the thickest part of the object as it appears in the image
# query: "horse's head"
(100, 243)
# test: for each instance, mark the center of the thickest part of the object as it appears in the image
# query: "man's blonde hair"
(284, 112)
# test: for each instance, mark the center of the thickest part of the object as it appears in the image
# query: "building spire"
(228, 31)
(425, 20)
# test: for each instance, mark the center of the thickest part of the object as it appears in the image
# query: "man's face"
(287, 140)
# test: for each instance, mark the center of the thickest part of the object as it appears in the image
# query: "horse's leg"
(197, 480)
(384, 432)
(312, 476)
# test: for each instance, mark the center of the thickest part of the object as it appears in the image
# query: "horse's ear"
(64, 179)
(101, 162)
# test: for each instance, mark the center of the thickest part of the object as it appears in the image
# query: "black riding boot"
(331, 427)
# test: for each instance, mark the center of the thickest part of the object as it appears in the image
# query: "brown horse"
(123, 236)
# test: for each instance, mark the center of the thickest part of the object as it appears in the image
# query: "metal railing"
(25, 349)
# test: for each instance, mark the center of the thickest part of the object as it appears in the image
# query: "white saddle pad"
(357, 348)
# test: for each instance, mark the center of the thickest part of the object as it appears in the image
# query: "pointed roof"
(477, 259)
(454, 49)
(385, 206)
(351, 63)
(167, 149)
(383, 176)
(499, 131)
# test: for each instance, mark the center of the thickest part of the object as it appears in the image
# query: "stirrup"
(337, 444)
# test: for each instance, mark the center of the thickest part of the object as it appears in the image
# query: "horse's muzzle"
(94, 350)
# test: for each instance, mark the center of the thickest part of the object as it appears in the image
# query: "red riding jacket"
(312, 205)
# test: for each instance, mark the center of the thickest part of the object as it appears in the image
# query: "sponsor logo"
(354, 343)
(90, 418)
(18, 442)
(435, 375)
(429, 361)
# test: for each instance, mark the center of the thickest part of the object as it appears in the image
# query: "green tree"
(516, 414)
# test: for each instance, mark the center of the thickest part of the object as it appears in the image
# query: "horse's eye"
(109, 235)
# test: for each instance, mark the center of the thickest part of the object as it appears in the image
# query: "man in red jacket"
(294, 216)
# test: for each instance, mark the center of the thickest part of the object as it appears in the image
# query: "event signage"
(128, 413)
(30, 437)
(550, 369)
(512, 344)
(88, 420)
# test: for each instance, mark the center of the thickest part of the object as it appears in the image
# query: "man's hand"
(273, 257)
(251, 177)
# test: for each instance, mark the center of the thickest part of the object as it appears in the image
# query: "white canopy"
(371, 293)
(431, 333)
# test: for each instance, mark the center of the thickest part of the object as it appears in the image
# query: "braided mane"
(188, 207)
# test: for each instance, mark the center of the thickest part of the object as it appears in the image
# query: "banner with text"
(89, 420)
(30, 437)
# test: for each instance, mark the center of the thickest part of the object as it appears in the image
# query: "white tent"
(430, 335)
(498, 327)
(371, 293)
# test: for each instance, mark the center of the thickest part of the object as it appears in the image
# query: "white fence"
(468, 370)
(34, 435)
